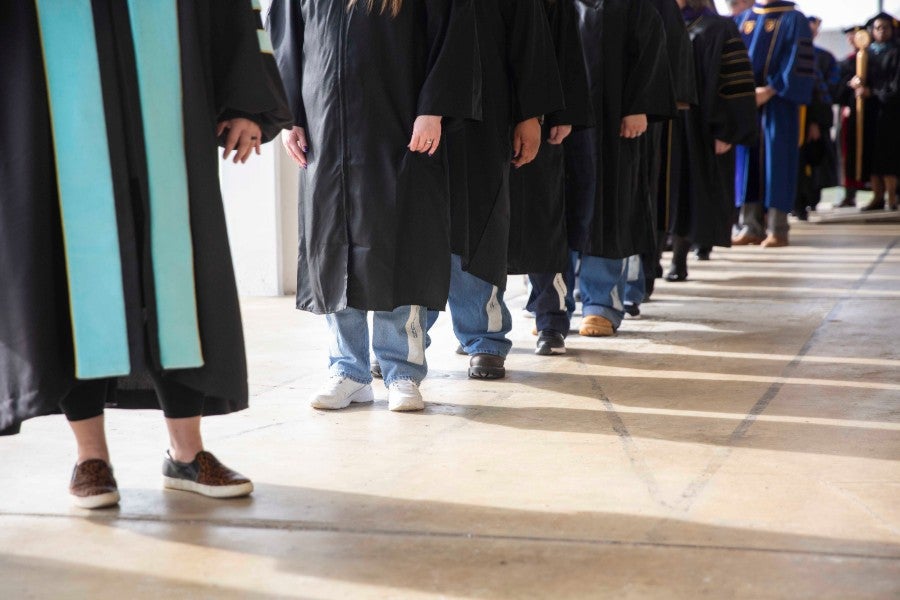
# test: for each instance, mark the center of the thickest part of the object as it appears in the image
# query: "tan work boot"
(596, 326)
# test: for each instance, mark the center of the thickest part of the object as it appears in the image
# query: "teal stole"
(87, 202)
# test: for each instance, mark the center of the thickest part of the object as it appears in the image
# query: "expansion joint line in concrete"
(695, 488)
(322, 527)
(722, 454)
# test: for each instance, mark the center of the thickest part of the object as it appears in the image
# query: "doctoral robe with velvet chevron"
(779, 41)
(221, 71)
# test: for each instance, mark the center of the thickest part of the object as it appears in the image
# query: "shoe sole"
(407, 406)
(594, 332)
(210, 491)
(361, 396)
(99, 501)
(549, 351)
(487, 372)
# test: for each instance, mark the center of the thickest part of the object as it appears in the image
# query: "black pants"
(88, 398)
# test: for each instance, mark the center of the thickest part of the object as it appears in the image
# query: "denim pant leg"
(481, 318)
(635, 284)
(548, 302)
(348, 349)
(603, 287)
(398, 340)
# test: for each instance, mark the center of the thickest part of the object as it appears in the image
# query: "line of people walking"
(442, 145)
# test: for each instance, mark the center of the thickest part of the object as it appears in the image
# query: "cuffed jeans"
(398, 341)
(635, 284)
(602, 284)
(481, 319)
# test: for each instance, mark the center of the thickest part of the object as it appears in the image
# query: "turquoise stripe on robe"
(87, 201)
(157, 48)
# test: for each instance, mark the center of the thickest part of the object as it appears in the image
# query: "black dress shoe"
(633, 310)
(677, 273)
(703, 253)
(873, 205)
(487, 366)
(550, 342)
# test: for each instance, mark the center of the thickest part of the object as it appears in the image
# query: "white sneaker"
(340, 392)
(404, 395)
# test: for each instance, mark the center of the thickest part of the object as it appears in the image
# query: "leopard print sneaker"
(93, 485)
(205, 476)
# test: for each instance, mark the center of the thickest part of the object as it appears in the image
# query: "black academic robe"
(845, 99)
(224, 74)
(726, 111)
(662, 149)
(538, 241)
(521, 81)
(374, 230)
(881, 122)
(610, 214)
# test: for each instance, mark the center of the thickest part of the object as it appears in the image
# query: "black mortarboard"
(853, 29)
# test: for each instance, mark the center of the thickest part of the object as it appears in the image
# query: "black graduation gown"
(609, 214)
(845, 98)
(521, 81)
(727, 111)
(881, 126)
(537, 238)
(374, 230)
(663, 148)
(224, 74)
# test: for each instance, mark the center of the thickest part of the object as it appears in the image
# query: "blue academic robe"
(779, 40)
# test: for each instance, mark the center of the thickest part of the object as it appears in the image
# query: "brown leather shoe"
(93, 485)
(745, 239)
(205, 476)
(775, 241)
(487, 366)
(596, 326)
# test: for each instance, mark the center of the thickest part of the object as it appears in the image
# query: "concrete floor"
(740, 441)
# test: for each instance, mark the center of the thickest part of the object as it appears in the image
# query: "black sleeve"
(452, 87)
(734, 116)
(245, 79)
(285, 28)
(579, 111)
(648, 83)
(679, 51)
(532, 60)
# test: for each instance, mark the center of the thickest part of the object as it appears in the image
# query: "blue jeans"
(635, 285)
(480, 317)
(551, 301)
(602, 284)
(398, 342)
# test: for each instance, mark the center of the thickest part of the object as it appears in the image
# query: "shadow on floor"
(503, 553)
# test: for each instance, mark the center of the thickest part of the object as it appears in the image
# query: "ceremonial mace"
(861, 40)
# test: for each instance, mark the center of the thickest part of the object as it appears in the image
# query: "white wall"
(261, 212)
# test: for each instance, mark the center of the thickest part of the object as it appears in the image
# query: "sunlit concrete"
(740, 441)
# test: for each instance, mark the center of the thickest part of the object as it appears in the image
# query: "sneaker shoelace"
(405, 386)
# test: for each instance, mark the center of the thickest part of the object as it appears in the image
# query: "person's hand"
(764, 94)
(682, 106)
(862, 92)
(244, 136)
(558, 134)
(426, 135)
(295, 144)
(722, 147)
(633, 126)
(856, 82)
(814, 133)
(846, 112)
(526, 142)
